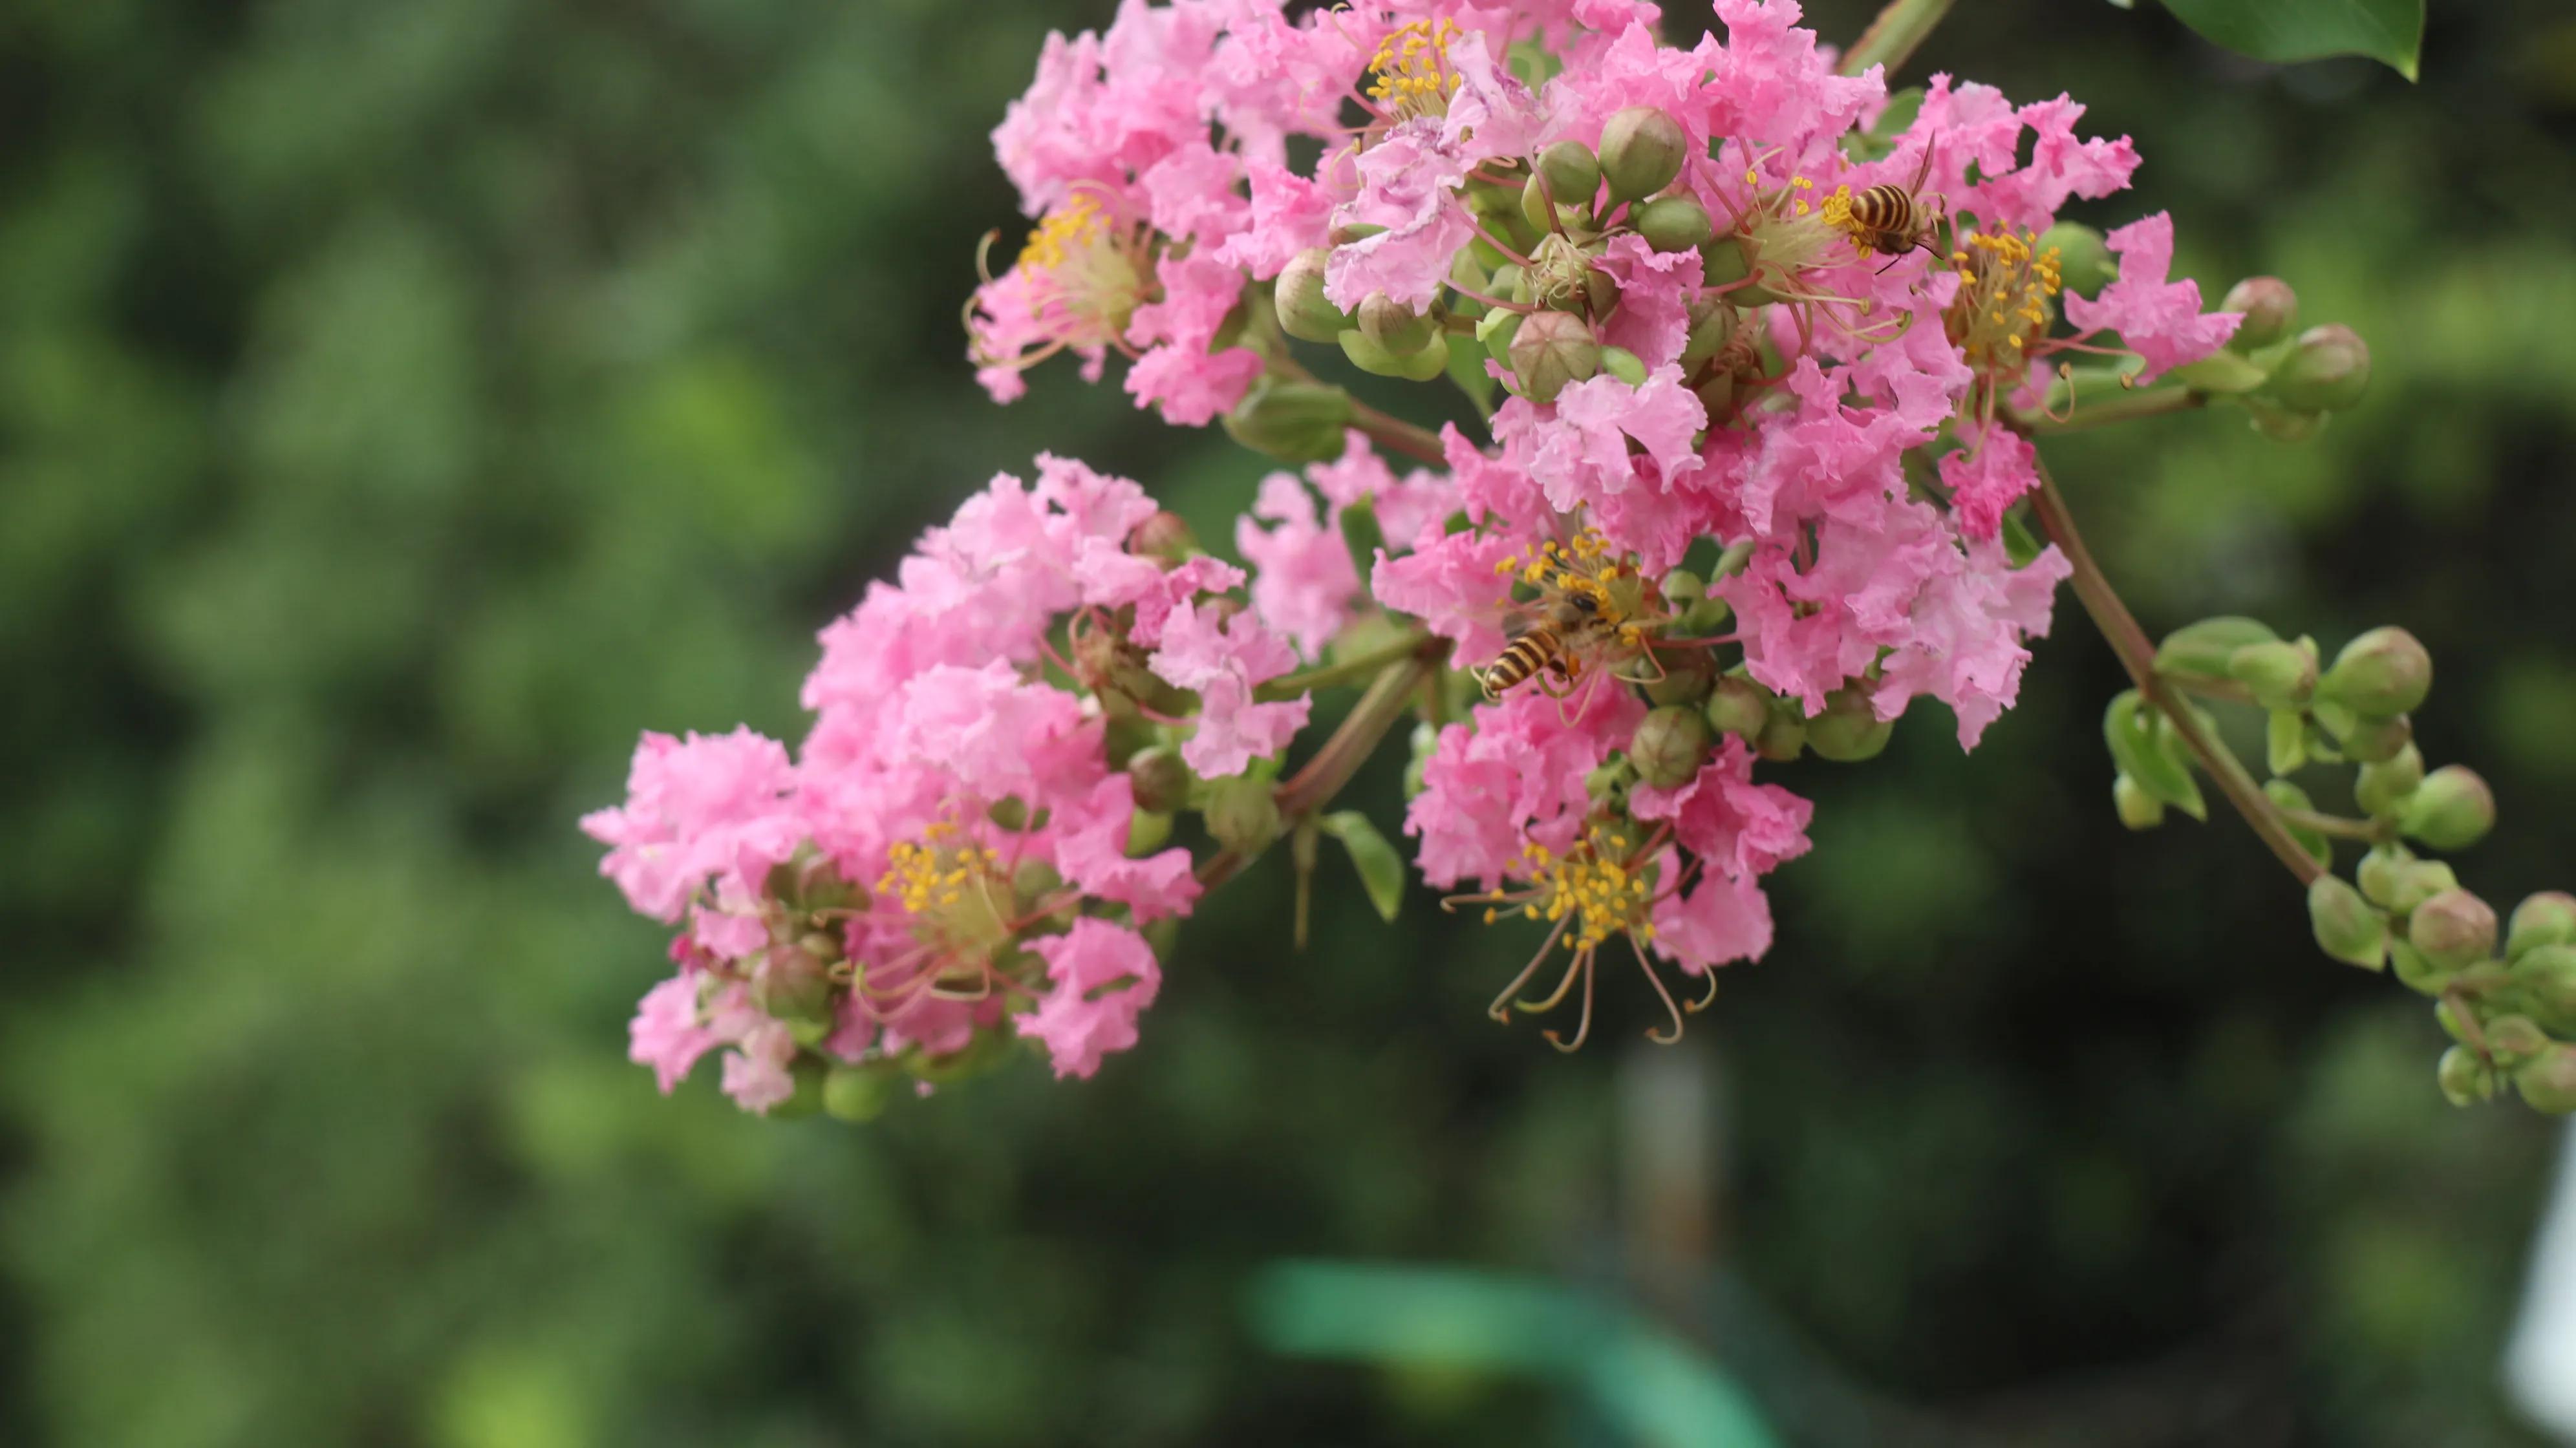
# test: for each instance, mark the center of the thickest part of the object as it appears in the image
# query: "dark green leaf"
(1381, 868)
(2388, 31)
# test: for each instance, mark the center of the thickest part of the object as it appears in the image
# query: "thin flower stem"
(2120, 407)
(2339, 826)
(1325, 676)
(1395, 434)
(2138, 655)
(1891, 38)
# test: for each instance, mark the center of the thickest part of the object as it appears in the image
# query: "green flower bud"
(2138, 809)
(1298, 296)
(2547, 976)
(1712, 324)
(1033, 881)
(1849, 730)
(2547, 918)
(807, 1072)
(2208, 648)
(2393, 878)
(1738, 706)
(1418, 366)
(2384, 673)
(2416, 973)
(1010, 812)
(1573, 176)
(2451, 810)
(2279, 675)
(1704, 618)
(2083, 257)
(2512, 1040)
(1147, 831)
(1295, 422)
(1242, 814)
(2454, 929)
(2327, 371)
(2383, 788)
(1608, 782)
(2347, 928)
(1716, 393)
(1534, 209)
(1165, 537)
(1688, 675)
(1784, 736)
(2465, 1080)
(1673, 223)
(1641, 152)
(1625, 365)
(2548, 1081)
(857, 1093)
(2282, 424)
(791, 984)
(2271, 309)
(1682, 588)
(1724, 262)
(1600, 291)
(2378, 741)
(1398, 328)
(1670, 745)
(1551, 351)
(1158, 778)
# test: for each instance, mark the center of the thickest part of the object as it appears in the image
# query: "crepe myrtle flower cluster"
(1757, 352)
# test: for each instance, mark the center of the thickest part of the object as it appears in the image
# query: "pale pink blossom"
(2159, 320)
(1104, 977)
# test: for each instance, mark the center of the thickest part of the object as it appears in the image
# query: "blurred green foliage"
(401, 406)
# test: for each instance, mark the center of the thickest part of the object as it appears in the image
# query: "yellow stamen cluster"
(1594, 883)
(1838, 215)
(1067, 229)
(936, 872)
(2005, 282)
(1583, 567)
(1412, 67)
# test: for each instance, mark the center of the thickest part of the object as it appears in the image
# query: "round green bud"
(2377, 741)
(1164, 536)
(791, 984)
(806, 1072)
(2383, 788)
(2515, 1039)
(856, 1093)
(1688, 675)
(1242, 813)
(1295, 422)
(1535, 211)
(1573, 176)
(2137, 809)
(2327, 371)
(2394, 879)
(1849, 730)
(1551, 351)
(2384, 673)
(2465, 1080)
(2451, 810)
(1608, 782)
(2083, 257)
(1418, 366)
(2282, 424)
(1158, 778)
(1682, 588)
(1738, 706)
(2270, 309)
(1784, 735)
(1298, 296)
(2415, 972)
(2547, 918)
(1394, 326)
(1670, 745)
(1148, 830)
(1724, 262)
(2454, 929)
(1033, 881)
(1712, 326)
(2548, 1081)
(1673, 223)
(2546, 975)
(2347, 929)
(2279, 675)
(1010, 812)
(1641, 152)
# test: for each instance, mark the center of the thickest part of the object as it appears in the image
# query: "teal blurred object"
(1638, 1378)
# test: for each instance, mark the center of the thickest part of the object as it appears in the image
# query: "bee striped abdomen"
(1526, 655)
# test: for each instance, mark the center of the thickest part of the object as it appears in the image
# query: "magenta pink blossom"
(2159, 320)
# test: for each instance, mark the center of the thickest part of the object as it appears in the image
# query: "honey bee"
(1891, 219)
(1549, 645)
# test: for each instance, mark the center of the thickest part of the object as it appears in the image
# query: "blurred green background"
(401, 406)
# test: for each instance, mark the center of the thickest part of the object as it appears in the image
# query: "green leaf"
(1875, 143)
(2388, 31)
(1362, 535)
(2285, 741)
(1381, 868)
(2131, 730)
(2020, 546)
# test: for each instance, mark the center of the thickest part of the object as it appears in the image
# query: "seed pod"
(1298, 296)
(2270, 308)
(2454, 929)
(2137, 809)
(2383, 788)
(1641, 152)
(2327, 371)
(1551, 351)
(2547, 918)
(2279, 675)
(2083, 257)
(2347, 929)
(1670, 745)
(2548, 1081)
(2381, 674)
(1738, 706)
(1673, 223)
(1573, 175)
(1397, 328)
(1849, 730)
(2451, 810)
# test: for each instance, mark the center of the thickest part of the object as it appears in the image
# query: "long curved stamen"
(1671, 1011)
(1583, 1028)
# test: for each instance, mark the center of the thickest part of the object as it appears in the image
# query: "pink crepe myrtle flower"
(2159, 320)
(1224, 659)
(1104, 977)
